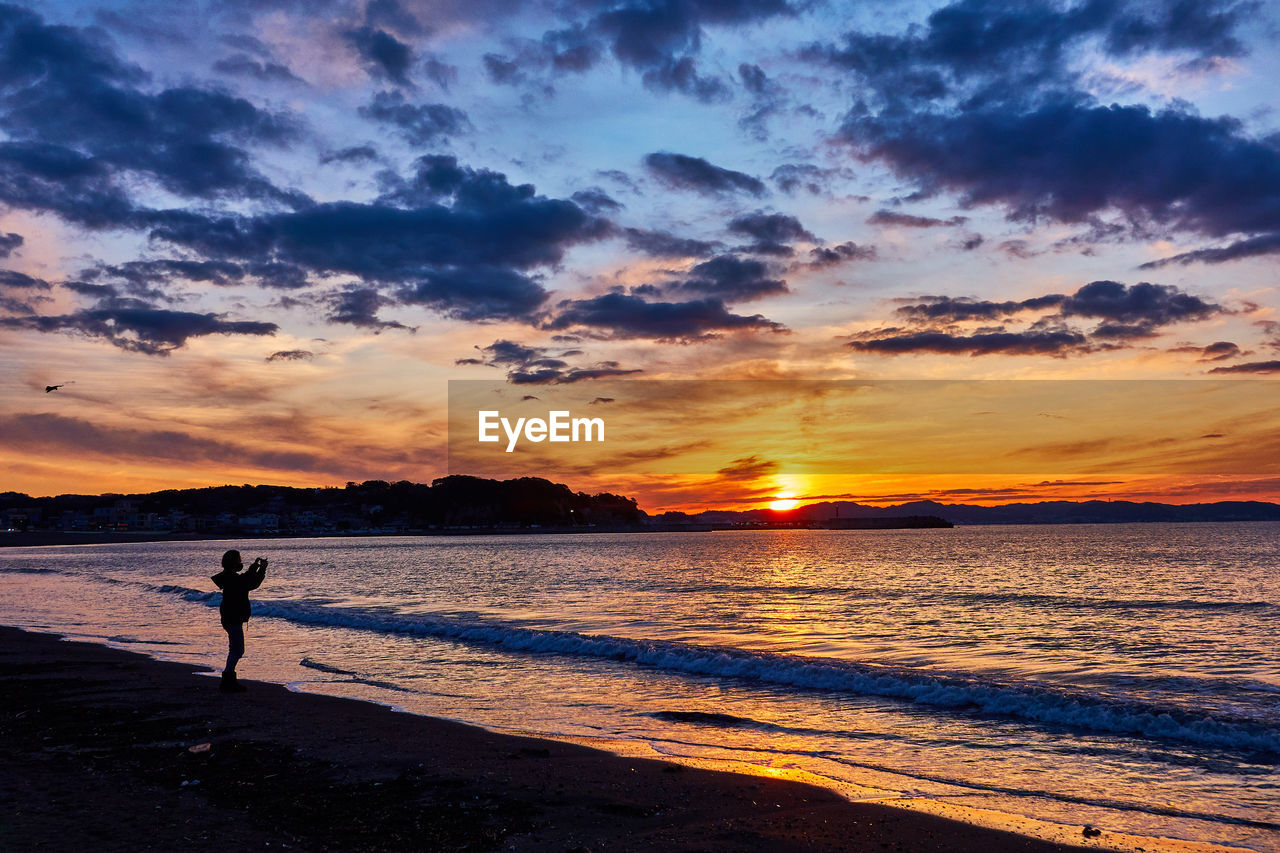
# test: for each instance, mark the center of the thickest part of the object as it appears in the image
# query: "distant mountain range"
(1044, 512)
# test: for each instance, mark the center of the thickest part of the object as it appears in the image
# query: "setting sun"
(782, 504)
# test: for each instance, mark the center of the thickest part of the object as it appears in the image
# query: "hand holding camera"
(260, 563)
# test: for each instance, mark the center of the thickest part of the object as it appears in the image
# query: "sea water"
(1126, 676)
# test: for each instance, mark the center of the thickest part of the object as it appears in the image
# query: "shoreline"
(56, 538)
(106, 746)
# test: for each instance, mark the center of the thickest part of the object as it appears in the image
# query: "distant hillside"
(372, 506)
(1045, 512)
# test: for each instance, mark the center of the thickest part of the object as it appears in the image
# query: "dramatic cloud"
(971, 45)
(732, 279)
(15, 279)
(246, 65)
(907, 220)
(420, 124)
(664, 244)
(822, 257)
(526, 365)
(453, 238)
(476, 293)
(1217, 351)
(792, 177)
(359, 306)
(595, 200)
(1126, 312)
(647, 34)
(135, 326)
(682, 76)
(353, 154)
(1266, 244)
(898, 342)
(291, 355)
(984, 102)
(770, 228)
(1142, 303)
(1071, 161)
(621, 316)
(383, 55)
(77, 122)
(1250, 367)
(8, 243)
(694, 173)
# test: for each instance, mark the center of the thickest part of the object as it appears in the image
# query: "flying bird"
(49, 388)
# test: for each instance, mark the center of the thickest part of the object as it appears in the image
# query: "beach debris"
(200, 747)
(190, 783)
(1090, 832)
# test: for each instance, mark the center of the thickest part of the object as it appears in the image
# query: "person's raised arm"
(256, 573)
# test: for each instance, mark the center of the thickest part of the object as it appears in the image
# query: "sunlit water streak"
(1126, 676)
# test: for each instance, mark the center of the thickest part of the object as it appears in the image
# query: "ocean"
(1125, 676)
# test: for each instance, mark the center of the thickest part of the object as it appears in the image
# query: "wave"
(324, 667)
(1024, 599)
(1026, 700)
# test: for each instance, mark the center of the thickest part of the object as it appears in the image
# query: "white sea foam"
(962, 693)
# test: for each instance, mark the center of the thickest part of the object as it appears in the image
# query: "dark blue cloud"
(1250, 247)
(359, 306)
(657, 37)
(529, 365)
(476, 293)
(770, 227)
(352, 154)
(622, 316)
(1070, 161)
(420, 124)
(1126, 312)
(1032, 342)
(18, 280)
(136, 326)
(384, 56)
(681, 171)
(291, 355)
(1143, 303)
(822, 257)
(732, 279)
(1254, 367)
(816, 180)
(909, 220)
(245, 65)
(664, 244)
(984, 102)
(1001, 50)
(456, 239)
(681, 75)
(78, 125)
(8, 243)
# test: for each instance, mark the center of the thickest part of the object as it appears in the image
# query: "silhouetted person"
(235, 609)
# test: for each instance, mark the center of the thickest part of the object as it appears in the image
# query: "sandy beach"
(112, 749)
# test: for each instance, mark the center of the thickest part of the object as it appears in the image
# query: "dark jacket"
(235, 593)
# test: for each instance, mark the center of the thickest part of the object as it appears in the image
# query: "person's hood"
(221, 578)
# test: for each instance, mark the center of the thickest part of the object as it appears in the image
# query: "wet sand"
(104, 749)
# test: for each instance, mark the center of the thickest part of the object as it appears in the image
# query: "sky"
(254, 241)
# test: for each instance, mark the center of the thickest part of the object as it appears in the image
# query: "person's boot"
(229, 683)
